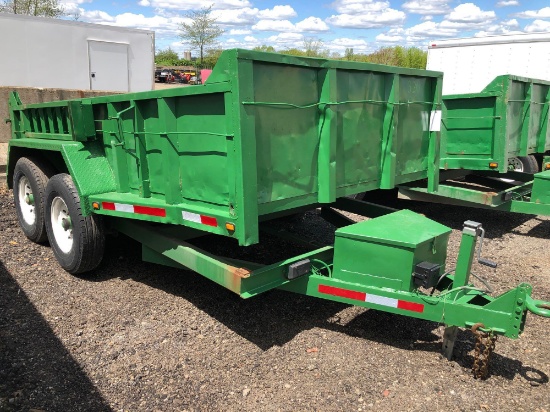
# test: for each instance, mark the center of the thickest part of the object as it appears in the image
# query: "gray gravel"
(139, 337)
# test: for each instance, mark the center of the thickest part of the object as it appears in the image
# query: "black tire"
(530, 164)
(79, 245)
(30, 177)
(527, 164)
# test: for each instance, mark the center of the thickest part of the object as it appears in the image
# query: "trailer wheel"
(524, 164)
(78, 241)
(30, 178)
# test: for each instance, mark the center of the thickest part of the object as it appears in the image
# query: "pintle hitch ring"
(538, 307)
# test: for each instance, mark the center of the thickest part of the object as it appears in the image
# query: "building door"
(108, 66)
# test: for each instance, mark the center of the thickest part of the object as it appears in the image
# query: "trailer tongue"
(394, 263)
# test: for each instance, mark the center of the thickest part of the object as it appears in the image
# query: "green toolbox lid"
(402, 228)
(543, 175)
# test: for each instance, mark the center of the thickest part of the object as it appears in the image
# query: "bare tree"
(42, 8)
(202, 32)
(313, 47)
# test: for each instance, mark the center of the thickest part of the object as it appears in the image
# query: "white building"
(61, 54)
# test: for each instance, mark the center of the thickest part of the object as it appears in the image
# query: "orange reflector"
(95, 205)
(230, 227)
(493, 165)
(547, 166)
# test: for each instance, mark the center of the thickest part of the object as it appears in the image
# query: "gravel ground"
(139, 337)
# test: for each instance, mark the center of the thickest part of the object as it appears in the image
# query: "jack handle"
(478, 229)
(538, 307)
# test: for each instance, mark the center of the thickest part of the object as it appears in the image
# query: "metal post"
(449, 340)
(466, 253)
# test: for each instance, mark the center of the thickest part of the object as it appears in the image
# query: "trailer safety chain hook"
(488, 340)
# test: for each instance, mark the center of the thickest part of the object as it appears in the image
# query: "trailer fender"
(85, 162)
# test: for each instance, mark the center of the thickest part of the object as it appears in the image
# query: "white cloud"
(198, 4)
(71, 7)
(365, 14)
(505, 3)
(341, 44)
(359, 6)
(510, 23)
(543, 13)
(286, 39)
(144, 3)
(274, 25)
(470, 13)
(538, 26)
(429, 29)
(163, 26)
(239, 32)
(244, 16)
(277, 12)
(251, 39)
(249, 16)
(429, 7)
(503, 27)
(369, 20)
(312, 24)
(98, 16)
(386, 38)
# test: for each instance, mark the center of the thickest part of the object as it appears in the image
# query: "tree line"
(411, 57)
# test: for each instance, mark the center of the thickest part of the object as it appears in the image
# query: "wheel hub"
(61, 225)
(26, 201)
(66, 223)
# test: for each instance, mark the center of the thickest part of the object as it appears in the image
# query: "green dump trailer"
(267, 135)
(493, 146)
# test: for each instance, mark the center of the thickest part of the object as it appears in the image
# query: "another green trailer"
(493, 146)
(267, 135)
(508, 120)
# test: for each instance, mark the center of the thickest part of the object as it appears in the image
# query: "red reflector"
(108, 205)
(151, 211)
(343, 293)
(209, 221)
(413, 307)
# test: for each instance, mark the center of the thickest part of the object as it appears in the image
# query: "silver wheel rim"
(515, 164)
(61, 225)
(26, 201)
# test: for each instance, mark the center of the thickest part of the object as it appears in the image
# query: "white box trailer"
(470, 64)
(54, 53)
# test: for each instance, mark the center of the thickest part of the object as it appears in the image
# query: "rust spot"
(488, 197)
(234, 277)
(240, 272)
(476, 326)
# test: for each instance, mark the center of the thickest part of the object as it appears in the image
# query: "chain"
(480, 367)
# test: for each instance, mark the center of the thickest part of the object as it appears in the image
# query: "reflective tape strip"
(381, 300)
(204, 220)
(121, 207)
(151, 211)
(136, 209)
(343, 293)
(369, 298)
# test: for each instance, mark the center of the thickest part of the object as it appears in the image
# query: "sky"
(364, 25)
